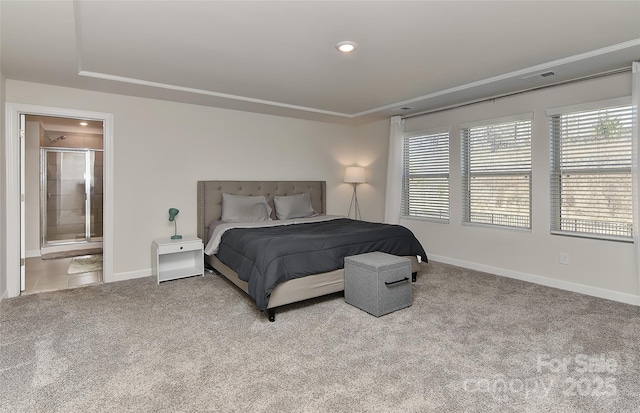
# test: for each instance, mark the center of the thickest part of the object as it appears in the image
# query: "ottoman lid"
(377, 261)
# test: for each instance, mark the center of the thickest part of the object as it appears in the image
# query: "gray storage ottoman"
(377, 283)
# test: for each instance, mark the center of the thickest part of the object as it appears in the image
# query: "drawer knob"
(181, 247)
(397, 281)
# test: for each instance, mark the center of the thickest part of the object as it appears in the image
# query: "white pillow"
(293, 206)
(238, 208)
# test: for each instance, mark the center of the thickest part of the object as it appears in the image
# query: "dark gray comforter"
(268, 256)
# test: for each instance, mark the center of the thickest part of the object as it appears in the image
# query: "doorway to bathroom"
(63, 187)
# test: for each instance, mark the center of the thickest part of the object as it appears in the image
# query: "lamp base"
(176, 237)
(354, 200)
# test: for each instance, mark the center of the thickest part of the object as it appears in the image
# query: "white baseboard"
(538, 279)
(130, 275)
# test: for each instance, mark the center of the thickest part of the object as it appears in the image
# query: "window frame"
(467, 175)
(555, 172)
(406, 177)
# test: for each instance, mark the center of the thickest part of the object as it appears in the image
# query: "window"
(496, 172)
(425, 179)
(591, 192)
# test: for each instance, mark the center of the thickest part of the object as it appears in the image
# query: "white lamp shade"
(354, 175)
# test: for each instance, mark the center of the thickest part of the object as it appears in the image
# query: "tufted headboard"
(210, 196)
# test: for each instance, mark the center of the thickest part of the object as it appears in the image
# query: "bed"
(298, 287)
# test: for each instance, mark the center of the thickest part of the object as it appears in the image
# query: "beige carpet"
(471, 342)
(89, 263)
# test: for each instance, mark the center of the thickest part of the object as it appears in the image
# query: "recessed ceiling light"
(83, 123)
(346, 47)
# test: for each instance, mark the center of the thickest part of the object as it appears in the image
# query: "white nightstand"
(177, 258)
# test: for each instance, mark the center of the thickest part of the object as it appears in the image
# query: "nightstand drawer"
(183, 246)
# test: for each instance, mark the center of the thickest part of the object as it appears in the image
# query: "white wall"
(162, 148)
(3, 198)
(602, 268)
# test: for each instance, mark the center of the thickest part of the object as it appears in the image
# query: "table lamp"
(173, 212)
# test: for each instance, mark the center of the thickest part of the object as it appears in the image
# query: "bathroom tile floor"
(51, 275)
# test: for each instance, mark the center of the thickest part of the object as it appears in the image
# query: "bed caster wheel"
(272, 315)
(414, 276)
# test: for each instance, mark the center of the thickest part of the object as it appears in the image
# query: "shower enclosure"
(71, 196)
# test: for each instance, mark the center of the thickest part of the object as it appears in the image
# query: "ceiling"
(279, 57)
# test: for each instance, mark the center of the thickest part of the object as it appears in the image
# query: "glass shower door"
(95, 194)
(68, 193)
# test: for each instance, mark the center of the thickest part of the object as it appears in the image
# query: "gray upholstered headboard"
(210, 196)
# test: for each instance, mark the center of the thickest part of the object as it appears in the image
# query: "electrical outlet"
(564, 258)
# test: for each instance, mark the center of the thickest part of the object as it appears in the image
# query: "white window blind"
(425, 183)
(496, 172)
(591, 192)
